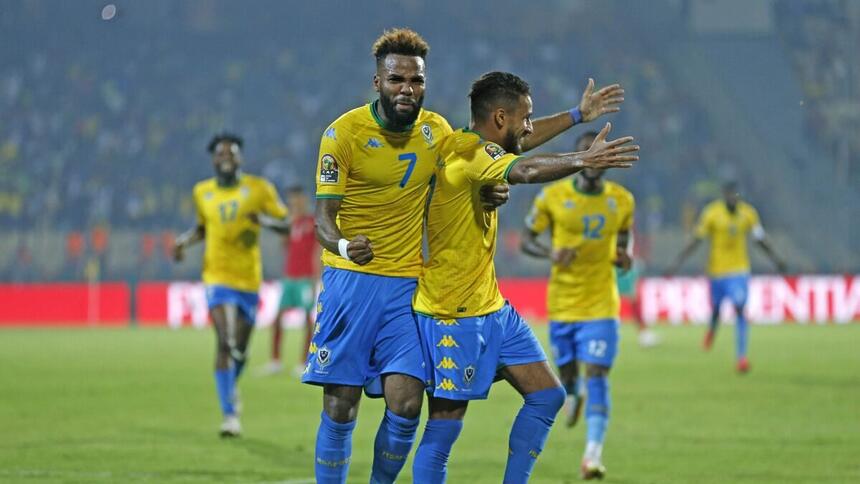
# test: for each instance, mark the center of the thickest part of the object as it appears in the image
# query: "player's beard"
(227, 173)
(512, 143)
(397, 119)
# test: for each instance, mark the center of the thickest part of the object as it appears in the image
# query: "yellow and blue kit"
(382, 177)
(582, 298)
(728, 260)
(467, 328)
(232, 269)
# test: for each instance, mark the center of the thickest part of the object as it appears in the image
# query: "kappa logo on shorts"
(447, 364)
(495, 151)
(323, 357)
(447, 341)
(447, 322)
(328, 169)
(447, 385)
(312, 348)
(468, 374)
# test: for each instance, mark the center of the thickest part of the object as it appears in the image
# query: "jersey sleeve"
(333, 162)
(703, 226)
(627, 213)
(272, 204)
(539, 218)
(755, 226)
(491, 164)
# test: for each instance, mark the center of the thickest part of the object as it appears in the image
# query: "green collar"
(375, 114)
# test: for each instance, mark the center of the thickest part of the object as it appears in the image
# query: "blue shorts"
(732, 287)
(364, 329)
(594, 342)
(245, 301)
(466, 353)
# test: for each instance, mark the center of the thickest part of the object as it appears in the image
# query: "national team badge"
(569, 204)
(245, 192)
(328, 169)
(427, 133)
(495, 151)
(611, 204)
(323, 357)
(468, 374)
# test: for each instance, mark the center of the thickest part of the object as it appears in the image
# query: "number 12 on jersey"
(593, 225)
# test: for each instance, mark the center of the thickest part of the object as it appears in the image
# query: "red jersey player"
(301, 271)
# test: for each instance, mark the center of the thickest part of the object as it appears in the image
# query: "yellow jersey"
(727, 233)
(232, 254)
(383, 179)
(586, 290)
(459, 279)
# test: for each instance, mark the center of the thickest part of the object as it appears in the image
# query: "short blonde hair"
(400, 41)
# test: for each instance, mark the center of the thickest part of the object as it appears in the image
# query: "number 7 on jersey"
(412, 158)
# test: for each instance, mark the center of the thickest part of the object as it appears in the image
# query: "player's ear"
(499, 118)
(376, 82)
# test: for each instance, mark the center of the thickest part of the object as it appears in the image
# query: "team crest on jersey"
(328, 169)
(330, 133)
(468, 374)
(323, 357)
(495, 151)
(611, 204)
(427, 133)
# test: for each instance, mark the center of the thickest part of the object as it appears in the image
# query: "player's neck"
(585, 185)
(227, 179)
(383, 120)
(487, 133)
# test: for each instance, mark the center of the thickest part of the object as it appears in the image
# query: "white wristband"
(341, 247)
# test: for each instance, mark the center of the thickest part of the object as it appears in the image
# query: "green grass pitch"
(138, 405)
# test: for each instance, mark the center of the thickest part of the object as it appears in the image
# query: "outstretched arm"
(278, 225)
(187, 239)
(687, 252)
(358, 250)
(617, 153)
(591, 106)
(532, 246)
(768, 249)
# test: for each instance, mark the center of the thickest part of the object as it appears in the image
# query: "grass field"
(100, 405)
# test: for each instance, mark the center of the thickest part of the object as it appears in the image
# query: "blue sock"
(597, 408)
(393, 441)
(334, 447)
(431, 459)
(741, 334)
(529, 432)
(224, 386)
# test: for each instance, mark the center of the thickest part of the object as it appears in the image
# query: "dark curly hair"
(495, 89)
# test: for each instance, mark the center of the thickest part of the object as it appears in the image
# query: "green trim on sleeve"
(323, 196)
(510, 167)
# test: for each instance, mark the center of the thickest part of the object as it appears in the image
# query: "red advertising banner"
(64, 304)
(772, 300)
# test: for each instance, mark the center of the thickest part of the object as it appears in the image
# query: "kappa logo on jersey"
(427, 133)
(447, 364)
(330, 133)
(374, 143)
(447, 322)
(495, 151)
(611, 204)
(468, 373)
(328, 169)
(447, 341)
(447, 385)
(569, 204)
(323, 357)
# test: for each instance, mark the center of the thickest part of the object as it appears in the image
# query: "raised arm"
(543, 168)
(591, 106)
(358, 250)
